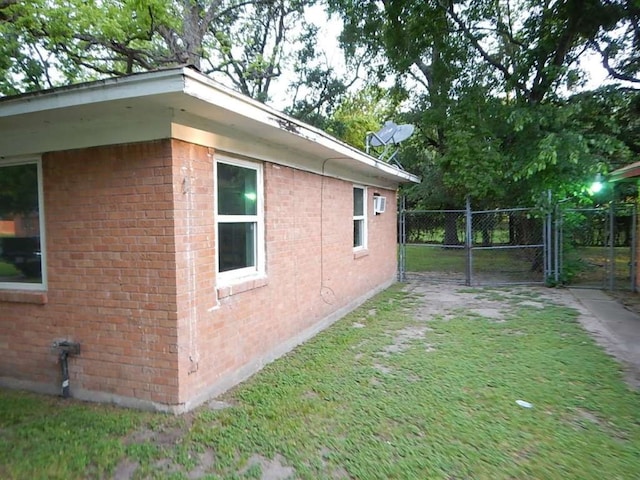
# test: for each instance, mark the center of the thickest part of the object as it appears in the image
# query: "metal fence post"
(634, 240)
(557, 244)
(402, 235)
(469, 242)
(612, 251)
(547, 241)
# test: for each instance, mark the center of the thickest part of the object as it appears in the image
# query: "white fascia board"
(205, 89)
(119, 88)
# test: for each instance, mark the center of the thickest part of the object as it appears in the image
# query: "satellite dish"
(386, 138)
(402, 133)
(384, 135)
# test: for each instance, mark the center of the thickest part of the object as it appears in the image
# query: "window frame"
(360, 218)
(258, 269)
(42, 285)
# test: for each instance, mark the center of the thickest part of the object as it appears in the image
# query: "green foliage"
(8, 269)
(247, 44)
(359, 114)
(487, 83)
(18, 189)
(48, 438)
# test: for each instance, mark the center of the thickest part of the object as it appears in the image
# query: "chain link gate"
(596, 247)
(490, 247)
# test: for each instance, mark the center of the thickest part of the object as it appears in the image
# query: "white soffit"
(145, 104)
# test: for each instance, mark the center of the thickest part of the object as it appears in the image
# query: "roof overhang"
(627, 173)
(185, 104)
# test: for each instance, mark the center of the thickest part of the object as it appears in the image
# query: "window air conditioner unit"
(379, 204)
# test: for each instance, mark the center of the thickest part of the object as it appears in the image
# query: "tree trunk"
(451, 228)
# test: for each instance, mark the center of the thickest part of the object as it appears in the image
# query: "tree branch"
(610, 69)
(476, 44)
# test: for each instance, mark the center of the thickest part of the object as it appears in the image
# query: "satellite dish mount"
(385, 143)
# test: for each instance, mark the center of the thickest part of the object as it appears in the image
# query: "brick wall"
(8, 227)
(132, 275)
(193, 195)
(111, 277)
(312, 272)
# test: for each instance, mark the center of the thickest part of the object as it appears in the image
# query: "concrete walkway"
(614, 327)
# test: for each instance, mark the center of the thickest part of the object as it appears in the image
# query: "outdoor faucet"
(66, 348)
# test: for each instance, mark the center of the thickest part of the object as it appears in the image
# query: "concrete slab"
(614, 327)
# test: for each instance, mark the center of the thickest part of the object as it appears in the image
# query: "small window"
(22, 260)
(240, 218)
(359, 218)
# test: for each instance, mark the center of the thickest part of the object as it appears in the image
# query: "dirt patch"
(630, 300)
(530, 303)
(404, 338)
(161, 438)
(330, 471)
(448, 301)
(125, 469)
(586, 416)
(206, 460)
(165, 467)
(271, 469)
(383, 369)
(494, 314)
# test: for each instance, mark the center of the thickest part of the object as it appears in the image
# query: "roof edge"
(278, 119)
(628, 172)
(188, 81)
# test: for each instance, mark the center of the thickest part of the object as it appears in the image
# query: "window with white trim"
(240, 218)
(359, 218)
(22, 259)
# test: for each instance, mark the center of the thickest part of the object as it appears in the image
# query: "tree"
(244, 43)
(487, 80)
(359, 114)
(316, 87)
(252, 44)
(620, 47)
(18, 190)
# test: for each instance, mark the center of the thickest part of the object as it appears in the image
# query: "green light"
(251, 196)
(597, 185)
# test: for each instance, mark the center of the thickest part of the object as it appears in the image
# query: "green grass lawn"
(8, 270)
(420, 258)
(506, 262)
(583, 266)
(590, 265)
(381, 394)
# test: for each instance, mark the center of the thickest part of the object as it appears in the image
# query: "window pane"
(20, 259)
(358, 201)
(237, 190)
(237, 245)
(358, 226)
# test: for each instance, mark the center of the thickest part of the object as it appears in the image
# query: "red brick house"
(187, 235)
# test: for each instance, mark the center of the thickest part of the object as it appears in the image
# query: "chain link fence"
(596, 247)
(492, 247)
(586, 248)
